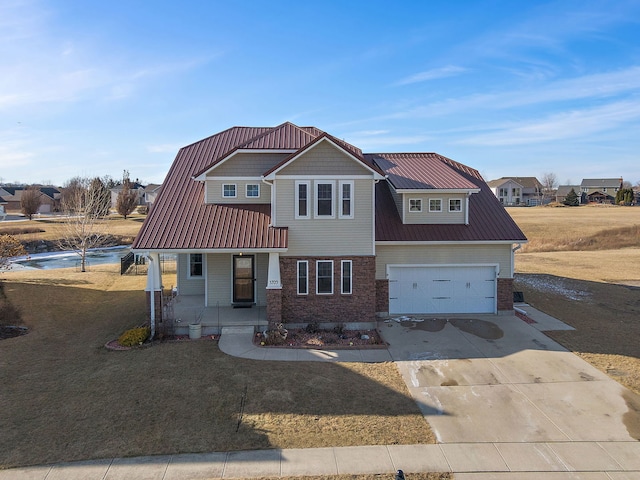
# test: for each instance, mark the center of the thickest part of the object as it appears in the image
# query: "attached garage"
(436, 289)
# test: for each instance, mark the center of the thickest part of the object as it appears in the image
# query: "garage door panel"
(433, 289)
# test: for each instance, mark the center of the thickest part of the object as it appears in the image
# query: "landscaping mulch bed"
(323, 339)
(10, 331)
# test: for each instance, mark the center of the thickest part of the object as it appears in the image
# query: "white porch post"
(273, 278)
(154, 287)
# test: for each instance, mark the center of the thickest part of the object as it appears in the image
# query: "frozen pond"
(46, 261)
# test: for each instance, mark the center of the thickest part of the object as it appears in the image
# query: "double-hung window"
(303, 277)
(302, 199)
(455, 205)
(346, 199)
(346, 269)
(324, 199)
(195, 265)
(229, 190)
(253, 190)
(324, 277)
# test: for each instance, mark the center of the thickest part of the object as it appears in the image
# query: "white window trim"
(246, 190)
(194, 277)
(235, 190)
(297, 200)
(415, 199)
(317, 183)
(306, 263)
(341, 198)
(324, 261)
(342, 263)
(432, 211)
(453, 199)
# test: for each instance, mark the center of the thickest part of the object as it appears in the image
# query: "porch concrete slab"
(452, 372)
(308, 462)
(484, 413)
(477, 457)
(544, 322)
(584, 411)
(195, 466)
(85, 470)
(140, 468)
(584, 456)
(26, 473)
(626, 454)
(418, 458)
(359, 460)
(252, 463)
(533, 476)
(530, 457)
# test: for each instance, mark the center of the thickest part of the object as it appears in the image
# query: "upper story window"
(302, 199)
(415, 204)
(229, 190)
(195, 265)
(455, 205)
(504, 192)
(324, 199)
(346, 199)
(435, 204)
(253, 190)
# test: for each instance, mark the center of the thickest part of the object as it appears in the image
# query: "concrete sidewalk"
(469, 461)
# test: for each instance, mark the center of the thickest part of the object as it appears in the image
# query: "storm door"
(243, 279)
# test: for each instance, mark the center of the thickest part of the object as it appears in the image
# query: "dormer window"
(415, 204)
(435, 204)
(455, 205)
(229, 190)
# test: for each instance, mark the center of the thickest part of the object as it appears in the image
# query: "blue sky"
(510, 88)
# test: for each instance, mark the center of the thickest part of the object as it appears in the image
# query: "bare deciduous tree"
(9, 248)
(83, 226)
(549, 183)
(30, 201)
(127, 199)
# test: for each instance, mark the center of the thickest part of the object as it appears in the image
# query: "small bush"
(143, 210)
(135, 336)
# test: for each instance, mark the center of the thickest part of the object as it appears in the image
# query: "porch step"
(248, 330)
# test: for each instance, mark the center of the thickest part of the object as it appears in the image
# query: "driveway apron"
(498, 379)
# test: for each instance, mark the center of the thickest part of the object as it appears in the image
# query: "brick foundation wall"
(359, 306)
(382, 296)
(505, 294)
(274, 306)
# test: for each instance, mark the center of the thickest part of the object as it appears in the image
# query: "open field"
(65, 397)
(596, 290)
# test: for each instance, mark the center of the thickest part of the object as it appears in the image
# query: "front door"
(243, 279)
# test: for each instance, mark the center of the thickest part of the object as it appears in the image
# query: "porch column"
(154, 290)
(274, 290)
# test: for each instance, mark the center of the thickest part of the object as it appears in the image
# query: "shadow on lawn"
(67, 398)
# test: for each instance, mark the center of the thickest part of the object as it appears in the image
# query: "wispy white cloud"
(574, 124)
(443, 72)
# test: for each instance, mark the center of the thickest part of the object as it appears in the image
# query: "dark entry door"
(243, 279)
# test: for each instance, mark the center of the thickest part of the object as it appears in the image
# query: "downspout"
(513, 258)
(273, 203)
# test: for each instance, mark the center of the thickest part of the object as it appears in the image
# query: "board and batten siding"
(443, 255)
(247, 165)
(186, 285)
(331, 236)
(220, 278)
(325, 159)
(214, 191)
(427, 217)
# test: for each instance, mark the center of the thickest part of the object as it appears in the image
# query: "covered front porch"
(181, 311)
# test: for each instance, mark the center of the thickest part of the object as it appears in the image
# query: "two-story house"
(517, 191)
(599, 190)
(305, 227)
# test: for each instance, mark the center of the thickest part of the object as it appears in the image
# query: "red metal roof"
(488, 220)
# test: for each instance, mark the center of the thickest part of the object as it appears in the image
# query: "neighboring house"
(50, 199)
(310, 229)
(3, 212)
(599, 190)
(137, 187)
(517, 191)
(563, 191)
(151, 192)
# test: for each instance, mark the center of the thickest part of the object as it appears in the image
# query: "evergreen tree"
(572, 200)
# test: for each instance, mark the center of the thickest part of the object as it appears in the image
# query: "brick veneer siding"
(274, 305)
(505, 293)
(382, 296)
(359, 306)
(158, 305)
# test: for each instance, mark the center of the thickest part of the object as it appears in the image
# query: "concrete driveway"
(498, 379)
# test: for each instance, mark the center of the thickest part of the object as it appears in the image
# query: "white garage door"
(442, 289)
